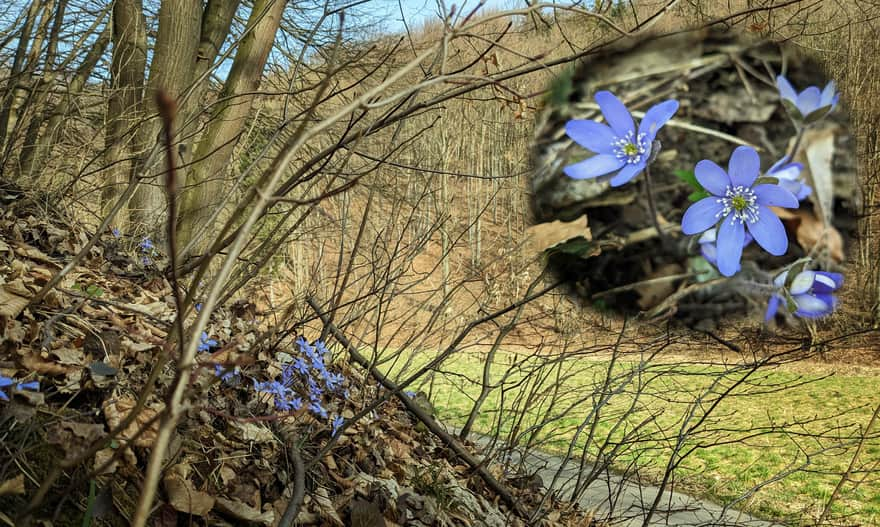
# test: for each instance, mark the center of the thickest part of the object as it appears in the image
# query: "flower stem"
(797, 142)
(652, 206)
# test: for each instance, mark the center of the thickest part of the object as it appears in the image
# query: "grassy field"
(798, 417)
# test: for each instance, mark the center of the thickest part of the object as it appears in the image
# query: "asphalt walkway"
(622, 502)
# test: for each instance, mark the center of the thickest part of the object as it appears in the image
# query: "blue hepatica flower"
(336, 423)
(115, 232)
(738, 204)
(709, 248)
(205, 343)
(317, 409)
(810, 292)
(227, 375)
(811, 100)
(618, 145)
(6, 382)
(300, 365)
(789, 176)
(146, 245)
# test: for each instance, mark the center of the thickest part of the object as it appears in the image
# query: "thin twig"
(299, 486)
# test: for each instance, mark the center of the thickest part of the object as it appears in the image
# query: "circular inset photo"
(702, 175)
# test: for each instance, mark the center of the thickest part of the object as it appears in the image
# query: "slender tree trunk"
(214, 150)
(17, 92)
(171, 71)
(42, 91)
(127, 72)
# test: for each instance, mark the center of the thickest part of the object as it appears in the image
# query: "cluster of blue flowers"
(7, 382)
(737, 208)
(304, 382)
(147, 250)
(306, 373)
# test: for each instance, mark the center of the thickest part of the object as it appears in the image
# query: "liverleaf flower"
(6, 382)
(618, 145)
(738, 204)
(206, 343)
(336, 423)
(812, 104)
(808, 295)
(789, 176)
(709, 248)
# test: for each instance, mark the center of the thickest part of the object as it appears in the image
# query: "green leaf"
(94, 291)
(688, 177)
(698, 195)
(704, 270)
(578, 246)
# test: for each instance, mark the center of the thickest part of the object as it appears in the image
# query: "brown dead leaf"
(13, 486)
(651, 294)
(116, 410)
(256, 432)
(244, 512)
(36, 363)
(74, 438)
(11, 303)
(325, 507)
(811, 233)
(543, 236)
(817, 154)
(103, 456)
(182, 495)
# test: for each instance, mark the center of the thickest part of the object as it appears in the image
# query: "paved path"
(624, 503)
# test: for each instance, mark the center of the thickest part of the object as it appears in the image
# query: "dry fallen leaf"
(115, 410)
(543, 236)
(244, 512)
(651, 294)
(74, 438)
(11, 303)
(182, 495)
(811, 234)
(816, 155)
(13, 486)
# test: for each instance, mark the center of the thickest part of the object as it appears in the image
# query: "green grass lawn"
(798, 419)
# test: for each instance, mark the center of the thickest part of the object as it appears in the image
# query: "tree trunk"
(18, 90)
(214, 150)
(171, 71)
(127, 73)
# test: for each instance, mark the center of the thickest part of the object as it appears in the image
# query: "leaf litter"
(91, 345)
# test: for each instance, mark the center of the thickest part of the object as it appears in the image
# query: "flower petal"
(701, 215)
(774, 195)
(811, 306)
(656, 117)
(827, 282)
(786, 90)
(744, 166)
(591, 135)
(615, 113)
(808, 100)
(769, 232)
(772, 307)
(627, 173)
(730, 245)
(802, 282)
(596, 166)
(712, 177)
(827, 96)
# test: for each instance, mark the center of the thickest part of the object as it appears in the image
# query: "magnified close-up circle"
(709, 176)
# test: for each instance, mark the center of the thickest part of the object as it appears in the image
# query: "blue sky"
(419, 11)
